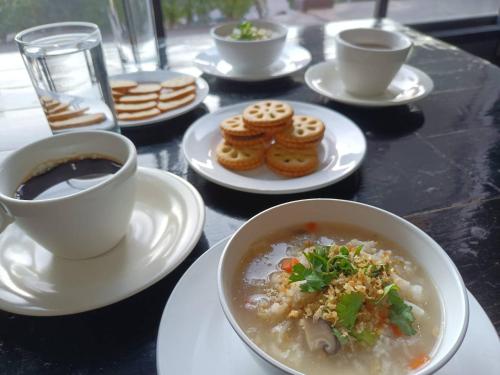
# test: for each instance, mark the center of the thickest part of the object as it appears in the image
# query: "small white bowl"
(249, 55)
(430, 256)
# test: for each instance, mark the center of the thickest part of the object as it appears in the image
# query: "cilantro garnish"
(366, 337)
(387, 289)
(400, 313)
(348, 308)
(375, 271)
(322, 269)
(344, 251)
(342, 264)
(315, 280)
(358, 250)
(342, 339)
(245, 31)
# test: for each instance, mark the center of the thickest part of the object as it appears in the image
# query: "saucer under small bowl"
(292, 59)
(409, 85)
(166, 224)
(203, 345)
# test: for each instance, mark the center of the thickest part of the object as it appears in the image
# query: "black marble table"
(435, 162)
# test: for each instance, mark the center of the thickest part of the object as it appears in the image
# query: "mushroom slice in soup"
(320, 336)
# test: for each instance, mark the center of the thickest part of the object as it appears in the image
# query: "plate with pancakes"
(145, 98)
(274, 147)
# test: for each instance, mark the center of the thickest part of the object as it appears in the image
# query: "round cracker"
(239, 158)
(122, 85)
(292, 162)
(138, 98)
(125, 107)
(84, 120)
(300, 146)
(250, 140)
(235, 126)
(174, 104)
(177, 94)
(178, 82)
(304, 129)
(145, 88)
(49, 105)
(67, 114)
(267, 113)
(134, 116)
(58, 108)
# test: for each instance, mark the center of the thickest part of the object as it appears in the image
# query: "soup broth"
(376, 312)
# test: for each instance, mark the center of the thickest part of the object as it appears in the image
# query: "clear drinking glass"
(66, 65)
(134, 30)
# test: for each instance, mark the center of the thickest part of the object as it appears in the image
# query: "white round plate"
(409, 85)
(292, 59)
(166, 224)
(203, 345)
(160, 76)
(340, 153)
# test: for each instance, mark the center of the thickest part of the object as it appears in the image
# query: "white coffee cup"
(81, 225)
(368, 59)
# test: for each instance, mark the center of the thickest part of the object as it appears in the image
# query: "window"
(418, 11)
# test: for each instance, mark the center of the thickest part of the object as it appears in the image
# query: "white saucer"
(341, 153)
(207, 344)
(160, 76)
(292, 59)
(409, 85)
(166, 224)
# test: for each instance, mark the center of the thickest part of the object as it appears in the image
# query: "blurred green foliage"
(17, 15)
(200, 11)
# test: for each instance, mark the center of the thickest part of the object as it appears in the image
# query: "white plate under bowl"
(293, 58)
(160, 76)
(209, 345)
(166, 224)
(341, 153)
(409, 85)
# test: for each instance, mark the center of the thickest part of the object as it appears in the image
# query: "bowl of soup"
(249, 46)
(326, 286)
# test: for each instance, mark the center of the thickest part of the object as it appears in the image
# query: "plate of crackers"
(145, 98)
(274, 147)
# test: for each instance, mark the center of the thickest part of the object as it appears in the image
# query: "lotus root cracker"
(239, 158)
(304, 129)
(292, 162)
(235, 125)
(267, 114)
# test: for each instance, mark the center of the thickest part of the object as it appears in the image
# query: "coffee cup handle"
(5, 218)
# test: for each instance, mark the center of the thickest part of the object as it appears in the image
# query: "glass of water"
(134, 28)
(66, 65)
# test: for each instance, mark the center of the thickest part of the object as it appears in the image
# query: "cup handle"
(5, 218)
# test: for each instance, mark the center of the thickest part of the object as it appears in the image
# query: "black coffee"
(69, 177)
(372, 46)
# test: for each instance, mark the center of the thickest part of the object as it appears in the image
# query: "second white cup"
(81, 225)
(369, 59)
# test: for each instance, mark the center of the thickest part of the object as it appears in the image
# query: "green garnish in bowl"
(247, 31)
